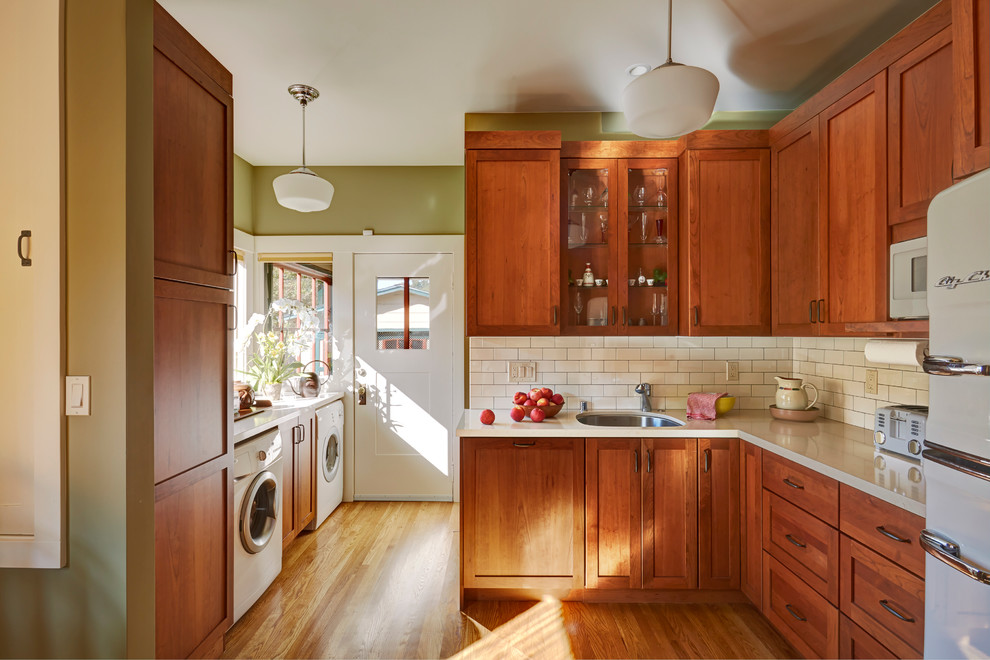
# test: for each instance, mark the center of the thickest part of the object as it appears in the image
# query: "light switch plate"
(77, 395)
(522, 372)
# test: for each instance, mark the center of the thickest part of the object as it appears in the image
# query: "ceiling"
(396, 77)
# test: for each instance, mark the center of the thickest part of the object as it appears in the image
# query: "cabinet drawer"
(796, 610)
(854, 642)
(884, 599)
(887, 529)
(803, 544)
(813, 492)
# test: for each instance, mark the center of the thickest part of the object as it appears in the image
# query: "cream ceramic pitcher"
(791, 395)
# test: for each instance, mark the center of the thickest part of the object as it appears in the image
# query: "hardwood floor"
(380, 580)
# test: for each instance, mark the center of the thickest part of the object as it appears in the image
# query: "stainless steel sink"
(622, 418)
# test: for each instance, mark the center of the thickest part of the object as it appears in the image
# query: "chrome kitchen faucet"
(644, 389)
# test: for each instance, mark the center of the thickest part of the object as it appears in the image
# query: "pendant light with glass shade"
(672, 99)
(301, 189)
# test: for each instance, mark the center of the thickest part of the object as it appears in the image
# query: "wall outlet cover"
(872, 381)
(732, 372)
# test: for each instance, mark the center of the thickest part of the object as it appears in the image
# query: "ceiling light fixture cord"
(670, 26)
(303, 102)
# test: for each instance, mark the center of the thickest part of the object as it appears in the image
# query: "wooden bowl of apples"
(550, 403)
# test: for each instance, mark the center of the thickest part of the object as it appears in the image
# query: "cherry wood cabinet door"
(193, 376)
(194, 554)
(670, 513)
(304, 473)
(855, 643)
(751, 522)
(728, 243)
(718, 513)
(971, 80)
(289, 431)
(853, 203)
(193, 159)
(512, 236)
(795, 162)
(614, 513)
(522, 513)
(919, 132)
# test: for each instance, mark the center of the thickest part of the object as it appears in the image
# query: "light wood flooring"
(380, 580)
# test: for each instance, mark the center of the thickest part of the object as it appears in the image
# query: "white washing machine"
(330, 459)
(257, 510)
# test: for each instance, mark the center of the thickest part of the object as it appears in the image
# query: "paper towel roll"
(896, 351)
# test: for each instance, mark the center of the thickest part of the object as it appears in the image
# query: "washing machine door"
(259, 512)
(331, 455)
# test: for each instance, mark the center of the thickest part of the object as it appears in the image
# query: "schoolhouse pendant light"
(301, 189)
(672, 99)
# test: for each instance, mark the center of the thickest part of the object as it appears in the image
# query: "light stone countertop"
(279, 412)
(837, 450)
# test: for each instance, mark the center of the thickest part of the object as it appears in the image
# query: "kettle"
(309, 382)
(791, 394)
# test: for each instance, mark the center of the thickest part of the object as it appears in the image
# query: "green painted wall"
(389, 200)
(243, 194)
(102, 603)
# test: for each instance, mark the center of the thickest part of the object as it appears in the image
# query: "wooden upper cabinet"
(853, 207)
(919, 132)
(971, 81)
(512, 235)
(727, 243)
(193, 159)
(795, 162)
(718, 514)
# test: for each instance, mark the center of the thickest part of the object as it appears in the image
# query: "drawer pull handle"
(787, 480)
(524, 444)
(892, 536)
(884, 605)
(795, 541)
(794, 614)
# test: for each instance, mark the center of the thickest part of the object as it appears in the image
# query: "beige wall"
(102, 603)
(243, 194)
(389, 200)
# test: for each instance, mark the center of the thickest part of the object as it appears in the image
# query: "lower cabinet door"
(615, 513)
(798, 612)
(718, 514)
(289, 431)
(855, 643)
(670, 513)
(522, 513)
(194, 553)
(751, 522)
(304, 473)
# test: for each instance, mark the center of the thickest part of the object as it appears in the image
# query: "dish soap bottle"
(589, 277)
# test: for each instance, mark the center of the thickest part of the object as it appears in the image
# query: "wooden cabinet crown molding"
(512, 139)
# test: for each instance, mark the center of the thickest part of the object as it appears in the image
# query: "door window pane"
(403, 313)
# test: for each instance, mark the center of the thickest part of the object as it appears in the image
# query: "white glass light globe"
(670, 100)
(302, 190)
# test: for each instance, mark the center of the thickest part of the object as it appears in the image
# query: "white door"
(403, 345)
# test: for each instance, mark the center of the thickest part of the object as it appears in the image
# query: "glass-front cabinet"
(620, 262)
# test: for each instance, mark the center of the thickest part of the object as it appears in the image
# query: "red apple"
(487, 417)
(543, 402)
(518, 413)
(558, 399)
(519, 397)
(547, 393)
(535, 393)
(537, 415)
(529, 402)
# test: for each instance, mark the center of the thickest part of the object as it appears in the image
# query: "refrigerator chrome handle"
(948, 552)
(940, 365)
(974, 466)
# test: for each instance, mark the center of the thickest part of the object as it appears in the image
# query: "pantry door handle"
(821, 306)
(233, 272)
(880, 528)
(25, 233)
(234, 307)
(884, 605)
(787, 480)
(795, 541)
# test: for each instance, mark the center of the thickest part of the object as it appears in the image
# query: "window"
(312, 285)
(403, 318)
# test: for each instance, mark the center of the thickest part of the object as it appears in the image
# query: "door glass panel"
(648, 247)
(587, 247)
(403, 313)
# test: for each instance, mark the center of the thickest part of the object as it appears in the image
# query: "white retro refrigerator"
(956, 458)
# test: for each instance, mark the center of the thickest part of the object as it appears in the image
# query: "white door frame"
(343, 249)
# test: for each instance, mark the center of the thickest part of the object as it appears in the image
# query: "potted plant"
(274, 360)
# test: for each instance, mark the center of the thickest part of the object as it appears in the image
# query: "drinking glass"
(603, 219)
(588, 193)
(578, 305)
(643, 232)
(661, 239)
(639, 195)
(656, 307)
(584, 230)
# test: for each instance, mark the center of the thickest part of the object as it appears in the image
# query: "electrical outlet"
(872, 384)
(522, 372)
(732, 372)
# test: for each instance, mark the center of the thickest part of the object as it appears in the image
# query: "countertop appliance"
(330, 457)
(257, 504)
(908, 279)
(900, 429)
(956, 457)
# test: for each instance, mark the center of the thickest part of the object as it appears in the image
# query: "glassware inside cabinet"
(588, 246)
(647, 252)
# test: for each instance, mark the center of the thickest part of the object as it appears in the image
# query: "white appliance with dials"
(330, 461)
(956, 458)
(257, 511)
(908, 279)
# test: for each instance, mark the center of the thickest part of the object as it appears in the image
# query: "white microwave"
(909, 279)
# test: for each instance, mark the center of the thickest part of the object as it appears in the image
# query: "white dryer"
(330, 461)
(257, 507)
